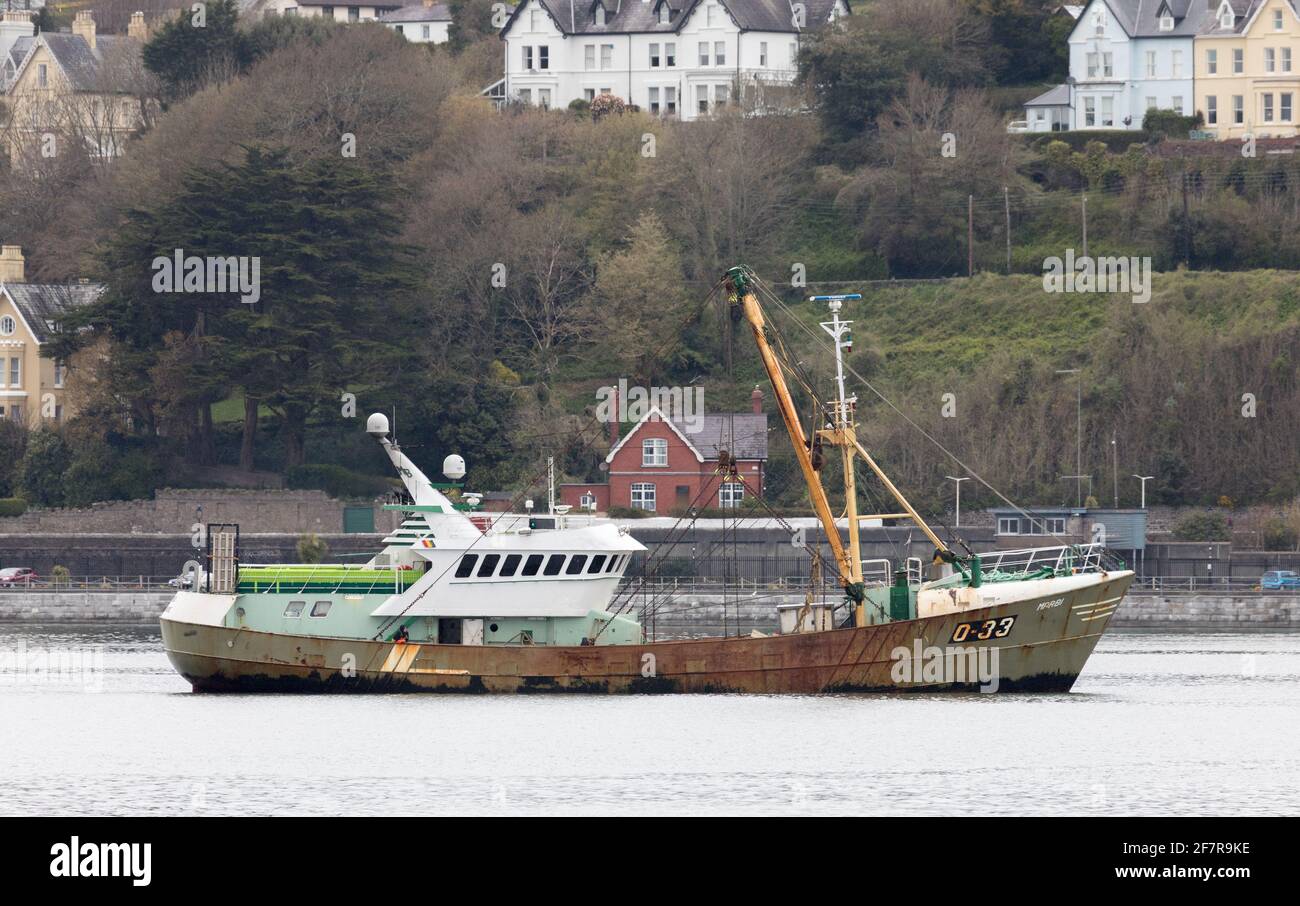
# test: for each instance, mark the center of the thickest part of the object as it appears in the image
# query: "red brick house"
(662, 466)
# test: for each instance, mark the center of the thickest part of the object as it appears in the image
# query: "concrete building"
(32, 387)
(1131, 56)
(677, 58)
(423, 23)
(1248, 69)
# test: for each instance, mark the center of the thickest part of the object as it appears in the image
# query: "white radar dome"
(454, 467)
(377, 425)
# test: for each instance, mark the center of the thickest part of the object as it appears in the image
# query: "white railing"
(1060, 559)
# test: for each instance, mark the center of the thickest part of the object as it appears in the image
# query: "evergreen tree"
(196, 47)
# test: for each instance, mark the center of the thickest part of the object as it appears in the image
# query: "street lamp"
(1078, 443)
(957, 521)
(1144, 479)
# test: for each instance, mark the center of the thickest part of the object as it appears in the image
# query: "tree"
(196, 48)
(41, 471)
(639, 299)
(858, 67)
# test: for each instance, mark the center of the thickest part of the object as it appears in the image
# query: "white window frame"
(1004, 522)
(1212, 62)
(654, 453)
(1151, 64)
(589, 56)
(1211, 110)
(642, 496)
(1238, 60)
(731, 494)
(7, 326)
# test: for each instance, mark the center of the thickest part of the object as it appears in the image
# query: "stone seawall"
(1257, 611)
(127, 607)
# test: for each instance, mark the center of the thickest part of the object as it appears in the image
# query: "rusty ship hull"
(1045, 646)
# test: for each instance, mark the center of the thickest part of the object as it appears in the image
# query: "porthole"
(492, 628)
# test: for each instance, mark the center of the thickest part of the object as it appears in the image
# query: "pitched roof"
(1052, 97)
(438, 12)
(77, 60)
(1141, 18)
(742, 434)
(642, 16)
(44, 304)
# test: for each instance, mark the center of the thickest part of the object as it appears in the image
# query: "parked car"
(1016, 126)
(18, 575)
(1280, 578)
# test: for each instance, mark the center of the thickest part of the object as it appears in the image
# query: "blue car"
(1280, 578)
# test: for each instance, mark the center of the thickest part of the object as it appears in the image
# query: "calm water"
(1158, 724)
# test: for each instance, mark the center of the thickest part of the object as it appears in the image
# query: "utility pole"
(1144, 479)
(1085, 226)
(957, 521)
(1078, 422)
(970, 235)
(1006, 201)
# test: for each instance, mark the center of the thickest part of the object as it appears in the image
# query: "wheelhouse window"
(320, 608)
(533, 564)
(576, 563)
(613, 562)
(643, 496)
(654, 452)
(553, 565)
(294, 610)
(511, 566)
(466, 565)
(489, 565)
(597, 563)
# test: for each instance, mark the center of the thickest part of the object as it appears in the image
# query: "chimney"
(756, 400)
(136, 27)
(17, 23)
(84, 26)
(11, 264)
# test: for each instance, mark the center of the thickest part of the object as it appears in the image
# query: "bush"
(12, 506)
(624, 512)
(1201, 527)
(1278, 536)
(61, 576)
(336, 481)
(312, 549)
(1170, 123)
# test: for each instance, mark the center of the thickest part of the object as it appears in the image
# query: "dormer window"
(1099, 22)
(665, 14)
(1277, 20)
(1166, 22)
(598, 14)
(1227, 18)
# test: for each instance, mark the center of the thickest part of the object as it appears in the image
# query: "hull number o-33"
(983, 630)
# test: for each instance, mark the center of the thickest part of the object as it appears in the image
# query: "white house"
(423, 23)
(1129, 56)
(678, 58)
(338, 12)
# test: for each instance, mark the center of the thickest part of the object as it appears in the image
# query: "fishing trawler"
(462, 601)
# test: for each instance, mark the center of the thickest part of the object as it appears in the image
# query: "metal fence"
(91, 583)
